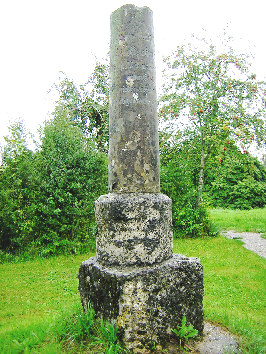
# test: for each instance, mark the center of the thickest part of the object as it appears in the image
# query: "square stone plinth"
(146, 303)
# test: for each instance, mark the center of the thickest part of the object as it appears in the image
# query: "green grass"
(41, 311)
(43, 287)
(253, 220)
(34, 294)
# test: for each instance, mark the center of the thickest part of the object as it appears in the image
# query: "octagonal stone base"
(146, 303)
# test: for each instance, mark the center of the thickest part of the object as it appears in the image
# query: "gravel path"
(252, 241)
(216, 341)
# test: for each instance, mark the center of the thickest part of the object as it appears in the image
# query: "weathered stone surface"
(134, 229)
(145, 302)
(133, 132)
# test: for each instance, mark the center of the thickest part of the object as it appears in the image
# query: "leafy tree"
(16, 195)
(87, 105)
(47, 197)
(72, 174)
(16, 142)
(218, 97)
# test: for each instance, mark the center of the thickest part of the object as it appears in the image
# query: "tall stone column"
(135, 279)
(134, 144)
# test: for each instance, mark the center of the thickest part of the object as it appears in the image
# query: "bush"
(192, 222)
(238, 182)
(245, 194)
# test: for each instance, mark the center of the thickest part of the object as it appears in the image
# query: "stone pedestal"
(146, 303)
(134, 228)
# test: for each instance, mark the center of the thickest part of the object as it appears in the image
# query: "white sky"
(40, 38)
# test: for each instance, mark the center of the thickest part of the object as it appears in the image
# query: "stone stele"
(135, 279)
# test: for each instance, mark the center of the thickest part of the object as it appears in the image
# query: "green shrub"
(192, 222)
(245, 194)
(238, 182)
(17, 197)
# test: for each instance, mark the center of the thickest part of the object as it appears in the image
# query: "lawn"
(37, 294)
(253, 220)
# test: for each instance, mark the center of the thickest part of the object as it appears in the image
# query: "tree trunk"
(201, 175)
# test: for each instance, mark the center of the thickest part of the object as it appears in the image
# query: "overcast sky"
(40, 38)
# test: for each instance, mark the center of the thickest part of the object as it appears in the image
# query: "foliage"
(17, 198)
(84, 330)
(16, 142)
(238, 182)
(185, 332)
(218, 97)
(78, 327)
(87, 105)
(178, 180)
(109, 334)
(72, 174)
(47, 197)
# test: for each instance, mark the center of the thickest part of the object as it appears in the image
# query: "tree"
(218, 97)
(47, 196)
(87, 105)
(17, 198)
(72, 175)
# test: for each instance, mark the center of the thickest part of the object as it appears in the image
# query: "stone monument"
(135, 279)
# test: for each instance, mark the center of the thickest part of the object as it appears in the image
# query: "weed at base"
(184, 332)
